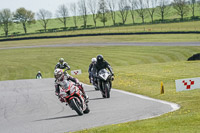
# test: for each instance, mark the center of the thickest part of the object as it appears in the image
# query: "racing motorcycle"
(104, 82)
(38, 77)
(93, 83)
(72, 96)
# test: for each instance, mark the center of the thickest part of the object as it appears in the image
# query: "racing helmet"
(58, 73)
(94, 60)
(100, 58)
(61, 60)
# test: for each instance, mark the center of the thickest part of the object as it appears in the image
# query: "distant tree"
(6, 20)
(123, 10)
(93, 9)
(112, 9)
(83, 11)
(103, 12)
(151, 8)
(132, 9)
(44, 16)
(62, 14)
(181, 7)
(163, 8)
(141, 9)
(192, 5)
(73, 8)
(25, 17)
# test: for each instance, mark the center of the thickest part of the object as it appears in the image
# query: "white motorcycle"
(104, 82)
(39, 77)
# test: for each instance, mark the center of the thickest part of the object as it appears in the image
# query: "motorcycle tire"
(96, 88)
(74, 104)
(107, 90)
(102, 90)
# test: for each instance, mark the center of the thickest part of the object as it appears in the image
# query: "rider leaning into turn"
(62, 65)
(90, 70)
(60, 77)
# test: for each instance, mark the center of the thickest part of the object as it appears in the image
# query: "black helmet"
(100, 58)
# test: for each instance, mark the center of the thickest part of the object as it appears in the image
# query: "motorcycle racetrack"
(31, 106)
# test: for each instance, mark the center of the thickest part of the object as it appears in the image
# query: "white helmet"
(94, 60)
(58, 73)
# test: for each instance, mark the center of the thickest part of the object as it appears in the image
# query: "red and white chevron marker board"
(187, 84)
(76, 72)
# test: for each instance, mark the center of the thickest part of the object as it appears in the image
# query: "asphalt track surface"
(30, 106)
(112, 44)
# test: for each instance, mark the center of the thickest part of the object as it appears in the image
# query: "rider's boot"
(86, 97)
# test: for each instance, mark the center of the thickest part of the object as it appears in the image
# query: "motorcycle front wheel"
(107, 90)
(75, 105)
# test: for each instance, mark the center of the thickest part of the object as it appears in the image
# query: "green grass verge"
(138, 69)
(168, 27)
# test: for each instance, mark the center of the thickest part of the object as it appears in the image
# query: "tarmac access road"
(110, 44)
(30, 106)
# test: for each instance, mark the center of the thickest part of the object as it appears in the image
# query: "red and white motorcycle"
(72, 96)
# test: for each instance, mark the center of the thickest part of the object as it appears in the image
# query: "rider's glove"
(62, 100)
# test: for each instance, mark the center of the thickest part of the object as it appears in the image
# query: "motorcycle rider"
(39, 74)
(62, 65)
(90, 70)
(60, 77)
(101, 64)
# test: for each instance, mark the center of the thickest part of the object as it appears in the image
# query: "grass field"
(55, 23)
(168, 27)
(138, 69)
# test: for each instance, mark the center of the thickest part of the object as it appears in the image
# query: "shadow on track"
(90, 90)
(96, 98)
(55, 118)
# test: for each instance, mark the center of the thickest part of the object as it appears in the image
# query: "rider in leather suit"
(60, 76)
(90, 70)
(39, 74)
(101, 64)
(62, 65)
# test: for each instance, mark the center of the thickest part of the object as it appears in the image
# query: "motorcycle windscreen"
(103, 73)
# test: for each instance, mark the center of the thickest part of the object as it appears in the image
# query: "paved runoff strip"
(112, 44)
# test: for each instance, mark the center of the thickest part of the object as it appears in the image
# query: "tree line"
(101, 10)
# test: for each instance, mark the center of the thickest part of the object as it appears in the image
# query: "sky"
(34, 5)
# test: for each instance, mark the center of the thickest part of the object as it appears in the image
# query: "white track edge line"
(174, 106)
